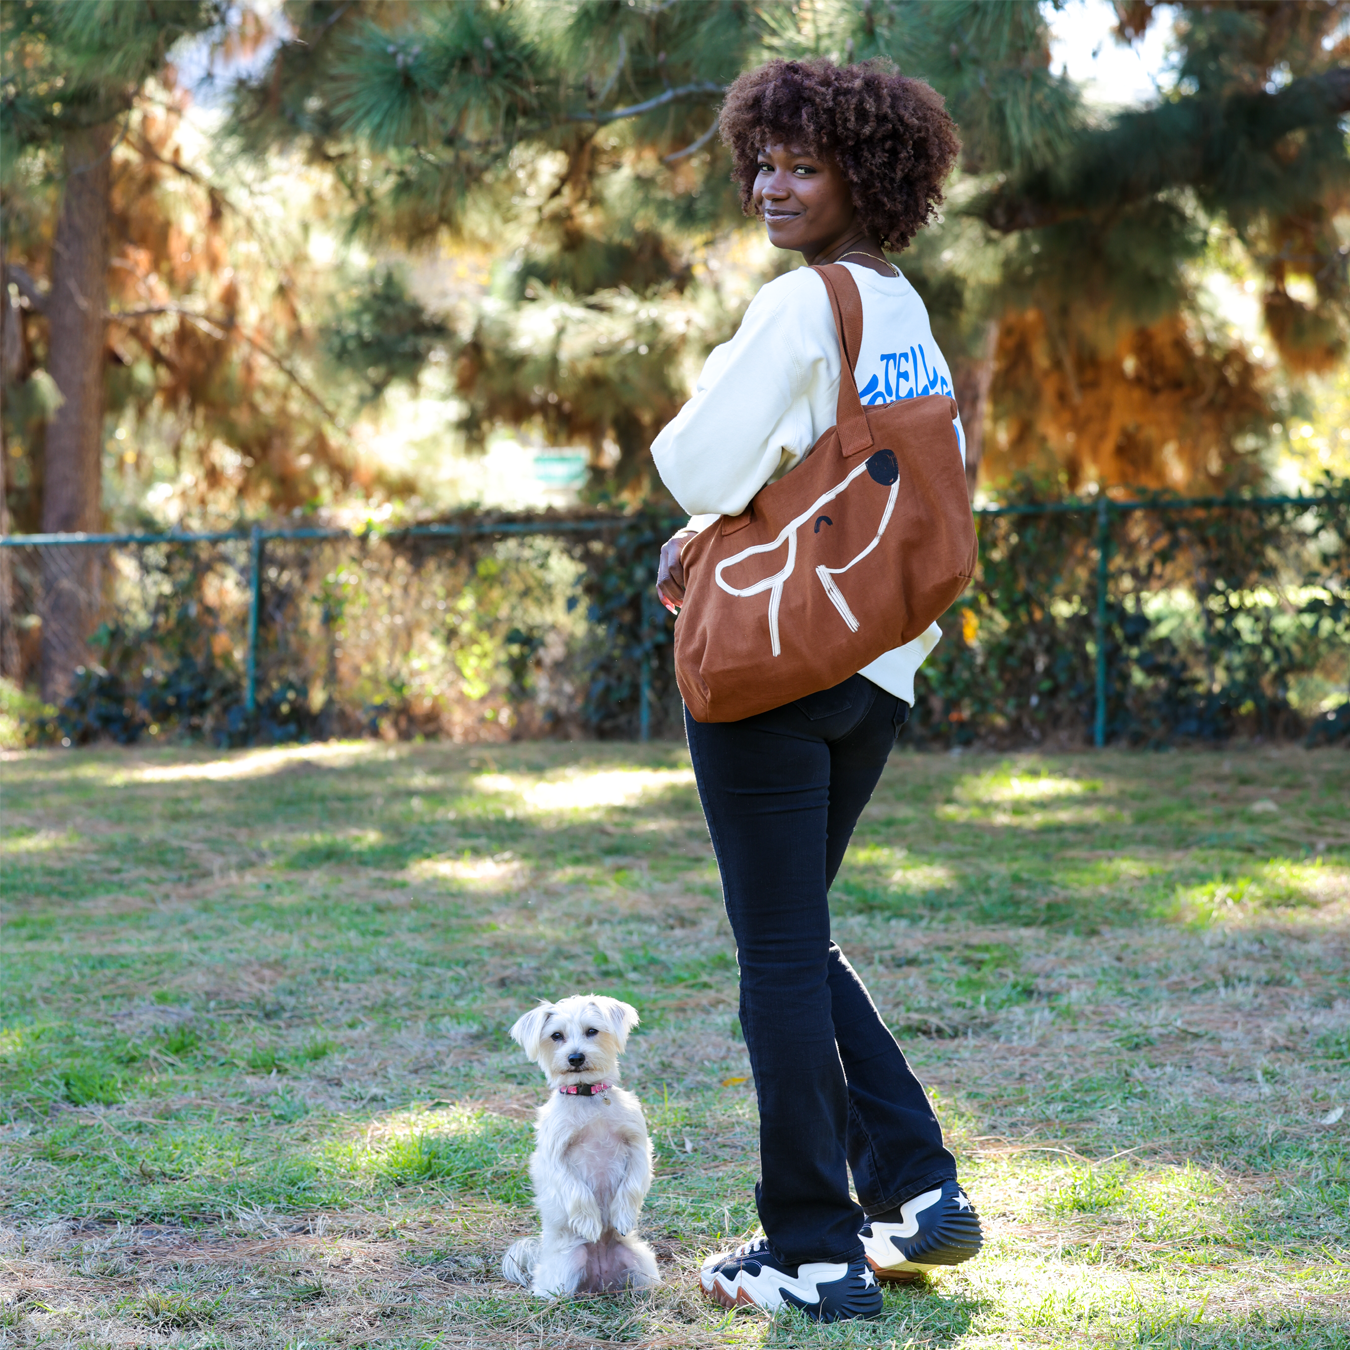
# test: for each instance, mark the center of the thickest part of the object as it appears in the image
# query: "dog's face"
(865, 499)
(578, 1040)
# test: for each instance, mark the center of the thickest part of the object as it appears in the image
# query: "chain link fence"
(481, 629)
(1147, 621)
(1151, 621)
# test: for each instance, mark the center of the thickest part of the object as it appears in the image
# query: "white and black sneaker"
(829, 1291)
(938, 1228)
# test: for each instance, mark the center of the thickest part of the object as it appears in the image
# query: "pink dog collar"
(584, 1089)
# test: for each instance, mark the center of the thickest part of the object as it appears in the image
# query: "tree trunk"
(13, 365)
(73, 456)
(972, 379)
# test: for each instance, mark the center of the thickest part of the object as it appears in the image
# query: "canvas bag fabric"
(856, 551)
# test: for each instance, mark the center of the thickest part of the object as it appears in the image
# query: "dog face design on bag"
(870, 487)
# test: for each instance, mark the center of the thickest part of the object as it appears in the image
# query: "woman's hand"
(669, 573)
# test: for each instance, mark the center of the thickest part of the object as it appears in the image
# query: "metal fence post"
(255, 556)
(645, 675)
(1103, 577)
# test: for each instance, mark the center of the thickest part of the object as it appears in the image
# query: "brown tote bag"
(854, 552)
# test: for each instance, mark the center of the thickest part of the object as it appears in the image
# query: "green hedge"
(1218, 621)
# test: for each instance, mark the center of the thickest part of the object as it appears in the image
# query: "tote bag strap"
(846, 305)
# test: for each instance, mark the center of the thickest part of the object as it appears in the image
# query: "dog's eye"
(591, 1031)
(558, 1036)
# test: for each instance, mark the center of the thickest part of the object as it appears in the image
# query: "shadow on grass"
(194, 1165)
(1019, 899)
(921, 1314)
(675, 1310)
(535, 839)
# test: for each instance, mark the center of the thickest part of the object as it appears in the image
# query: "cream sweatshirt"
(767, 396)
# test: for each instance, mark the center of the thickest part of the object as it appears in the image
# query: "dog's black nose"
(576, 1059)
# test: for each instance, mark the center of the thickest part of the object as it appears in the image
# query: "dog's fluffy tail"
(519, 1262)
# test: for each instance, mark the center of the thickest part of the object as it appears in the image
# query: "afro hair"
(891, 136)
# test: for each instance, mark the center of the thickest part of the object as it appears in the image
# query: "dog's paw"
(623, 1220)
(586, 1222)
(584, 1218)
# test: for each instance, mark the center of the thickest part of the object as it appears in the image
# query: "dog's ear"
(529, 1030)
(620, 1017)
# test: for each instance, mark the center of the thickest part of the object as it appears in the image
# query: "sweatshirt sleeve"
(752, 401)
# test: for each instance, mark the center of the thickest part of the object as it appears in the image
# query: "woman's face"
(804, 199)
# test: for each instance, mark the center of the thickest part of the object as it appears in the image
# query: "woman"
(840, 164)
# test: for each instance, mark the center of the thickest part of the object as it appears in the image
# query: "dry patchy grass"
(257, 1089)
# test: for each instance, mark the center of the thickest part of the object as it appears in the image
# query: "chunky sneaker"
(938, 1228)
(829, 1291)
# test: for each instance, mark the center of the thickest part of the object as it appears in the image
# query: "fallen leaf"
(1265, 804)
(732, 1082)
(1332, 1116)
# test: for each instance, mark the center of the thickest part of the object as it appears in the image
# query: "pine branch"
(637, 109)
(697, 145)
(698, 89)
(220, 330)
(28, 286)
(202, 321)
(1191, 142)
(217, 194)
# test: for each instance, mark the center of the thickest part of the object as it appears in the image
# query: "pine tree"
(579, 138)
(577, 141)
(215, 377)
(1109, 366)
(71, 71)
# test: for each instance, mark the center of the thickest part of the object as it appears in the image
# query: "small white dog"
(592, 1164)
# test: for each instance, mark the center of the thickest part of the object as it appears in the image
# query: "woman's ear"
(620, 1017)
(528, 1031)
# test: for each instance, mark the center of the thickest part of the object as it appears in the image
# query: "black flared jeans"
(782, 792)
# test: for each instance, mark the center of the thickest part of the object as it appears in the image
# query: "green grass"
(257, 1088)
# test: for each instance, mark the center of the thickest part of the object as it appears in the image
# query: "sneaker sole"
(897, 1275)
(957, 1239)
(868, 1308)
(858, 1308)
(719, 1295)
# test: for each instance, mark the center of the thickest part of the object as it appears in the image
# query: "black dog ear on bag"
(883, 467)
